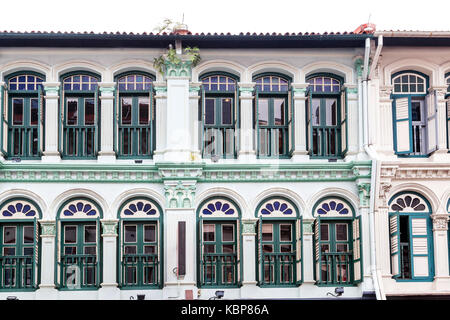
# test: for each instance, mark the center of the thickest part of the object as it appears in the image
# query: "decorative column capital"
(179, 194)
(109, 228)
(48, 228)
(364, 194)
(385, 187)
(178, 69)
(308, 226)
(51, 89)
(359, 62)
(385, 93)
(440, 222)
(246, 90)
(249, 227)
(300, 90)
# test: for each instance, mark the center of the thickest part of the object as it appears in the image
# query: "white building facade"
(408, 136)
(245, 173)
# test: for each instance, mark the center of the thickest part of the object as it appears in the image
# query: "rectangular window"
(9, 235)
(279, 112)
(144, 107)
(90, 234)
(18, 111)
(209, 232)
(227, 108)
(210, 111)
(130, 233)
(263, 112)
(70, 234)
(150, 233)
(72, 111)
(89, 112)
(126, 111)
(34, 107)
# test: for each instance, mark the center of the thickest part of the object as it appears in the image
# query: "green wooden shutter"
(431, 124)
(202, 121)
(317, 251)
(237, 119)
(291, 112)
(256, 121)
(58, 273)
(238, 251)
(61, 112)
(40, 127)
(116, 108)
(96, 119)
(260, 251)
(35, 275)
(394, 237)
(420, 250)
(344, 123)
(152, 117)
(201, 270)
(357, 251)
(403, 141)
(308, 112)
(299, 251)
(4, 124)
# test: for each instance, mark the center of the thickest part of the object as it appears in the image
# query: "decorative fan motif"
(141, 208)
(408, 202)
(19, 209)
(276, 207)
(219, 207)
(79, 209)
(333, 207)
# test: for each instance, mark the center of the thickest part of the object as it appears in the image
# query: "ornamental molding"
(48, 228)
(284, 172)
(416, 172)
(364, 194)
(385, 187)
(109, 227)
(358, 63)
(249, 227)
(385, 93)
(308, 226)
(181, 69)
(440, 222)
(179, 194)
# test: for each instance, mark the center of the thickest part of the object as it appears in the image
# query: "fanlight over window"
(80, 83)
(408, 203)
(409, 83)
(219, 83)
(134, 82)
(271, 84)
(324, 84)
(25, 82)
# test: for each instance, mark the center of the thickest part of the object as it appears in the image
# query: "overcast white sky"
(232, 16)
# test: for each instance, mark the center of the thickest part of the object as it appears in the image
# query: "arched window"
(140, 248)
(219, 115)
(279, 249)
(219, 251)
(80, 124)
(326, 116)
(411, 237)
(273, 116)
(337, 243)
(414, 114)
(19, 244)
(135, 115)
(79, 244)
(23, 107)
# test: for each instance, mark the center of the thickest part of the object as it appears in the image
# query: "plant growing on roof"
(171, 57)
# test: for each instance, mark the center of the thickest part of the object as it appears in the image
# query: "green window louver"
(134, 116)
(80, 109)
(22, 104)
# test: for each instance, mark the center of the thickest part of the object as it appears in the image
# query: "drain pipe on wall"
(372, 154)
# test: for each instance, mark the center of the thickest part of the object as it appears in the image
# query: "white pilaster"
(178, 133)
(248, 257)
(386, 131)
(161, 119)
(440, 227)
(194, 120)
(352, 118)
(441, 152)
(300, 152)
(109, 289)
(52, 116)
(47, 286)
(106, 148)
(247, 135)
(308, 251)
